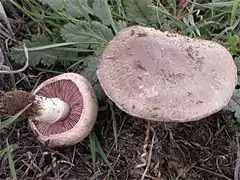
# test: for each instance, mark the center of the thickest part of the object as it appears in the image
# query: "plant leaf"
(120, 25)
(34, 57)
(234, 105)
(237, 62)
(11, 163)
(233, 41)
(56, 4)
(140, 11)
(103, 12)
(74, 8)
(84, 31)
(98, 148)
(89, 68)
(79, 8)
(47, 56)
(5, 150)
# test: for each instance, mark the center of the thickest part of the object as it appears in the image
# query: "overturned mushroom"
(63, 111)
(163, 76)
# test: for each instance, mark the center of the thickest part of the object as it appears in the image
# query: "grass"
(197, 150)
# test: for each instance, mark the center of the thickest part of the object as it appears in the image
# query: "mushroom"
(63, 111)
(163, 76)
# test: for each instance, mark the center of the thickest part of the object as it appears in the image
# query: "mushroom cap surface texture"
(77, 91)
(165, 76)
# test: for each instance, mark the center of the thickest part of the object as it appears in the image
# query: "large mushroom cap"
(166, 77)
(75, 90)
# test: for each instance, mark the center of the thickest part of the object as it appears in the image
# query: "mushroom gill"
(67, 91)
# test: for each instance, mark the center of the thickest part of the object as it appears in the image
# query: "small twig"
(145, 145)
(148, 176)
(211, 172)
(182, 5)
(19, 70)
(217, 164)
(237, 167)
(149, 157)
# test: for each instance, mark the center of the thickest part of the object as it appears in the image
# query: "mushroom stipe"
(63, 111)
(162, 76)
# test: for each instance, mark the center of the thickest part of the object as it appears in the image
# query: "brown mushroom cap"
(79, 94)
(166, 77)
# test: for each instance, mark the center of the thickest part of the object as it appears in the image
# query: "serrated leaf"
(34, 57)
(140, 11)
(88, 70)
(237, 62)
(103, 12)
(237, 114)
(79, 8)
(234, 105)
(46, 57)
(233, 44)
(93, 33)
(74, 8)
(90, 64)
(56, 4)
(120, 25)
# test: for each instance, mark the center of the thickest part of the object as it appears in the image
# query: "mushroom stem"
(51, 109)
(42, 109)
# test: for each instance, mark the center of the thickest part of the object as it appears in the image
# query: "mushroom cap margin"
(88, 118)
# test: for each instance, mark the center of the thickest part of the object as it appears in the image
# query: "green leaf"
(233, 43)
(11, 163)
(120, 25)
(103, 12)
(79, 8)
(74, 8)
(42, 52)
(34, 57)
(84, 31)
(56, 4)
(93, 150)
(234, 105)
(96, 147)
(89, 68)
(237, 114)
(5, 150)
(237, 62)
(90, 64)
(140, 11)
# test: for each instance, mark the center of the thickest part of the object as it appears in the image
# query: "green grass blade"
(93, 150)
(102, 154)
(11, 164)
(179, 23)
(56, 45)
(5, 150)
(13, 118)
(233, 12)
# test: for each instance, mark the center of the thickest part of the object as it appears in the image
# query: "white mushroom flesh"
(51, 109)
